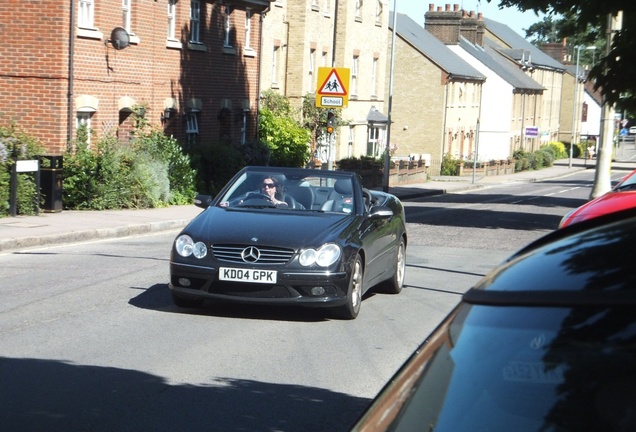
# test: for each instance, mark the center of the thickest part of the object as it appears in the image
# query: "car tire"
(186, 302)
(396, 282)
(351, 309)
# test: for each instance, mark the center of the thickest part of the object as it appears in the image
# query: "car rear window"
(529, 369)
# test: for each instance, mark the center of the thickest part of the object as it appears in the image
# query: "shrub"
(288, 142)
(362, 163)
(576, 150)
(217, 163)
(150, 171)
(16, 144)
(165, 152)
(559, 150)
(450, 166)
(522, 160)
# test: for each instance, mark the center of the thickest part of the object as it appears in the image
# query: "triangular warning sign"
(332, 85)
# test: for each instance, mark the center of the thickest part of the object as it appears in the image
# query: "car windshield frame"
(243, 191)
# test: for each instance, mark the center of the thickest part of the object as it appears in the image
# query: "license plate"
(247, 275)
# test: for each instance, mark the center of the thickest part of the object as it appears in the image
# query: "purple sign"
(532, 131)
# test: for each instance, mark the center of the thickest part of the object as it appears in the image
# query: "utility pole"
(602, 182)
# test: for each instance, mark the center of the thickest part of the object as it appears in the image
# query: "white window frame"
(195, 21)
(376, 139)
(172, 18)
(227, 12)
(326, 8)
(126, 13)
(379, 8)
(248, 28)
(358, 13)
(86, 14)
(311, 70)
(374, 77)
(275, 54)
(244, 127)
(84, 118)
(192, 123)
(373, 140)
(354, 75)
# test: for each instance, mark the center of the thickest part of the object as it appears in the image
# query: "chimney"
(444, 24)
(448, 25)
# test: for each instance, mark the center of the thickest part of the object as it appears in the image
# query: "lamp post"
(387, 151)
(575, 97)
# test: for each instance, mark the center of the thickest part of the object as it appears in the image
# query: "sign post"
(333, 87)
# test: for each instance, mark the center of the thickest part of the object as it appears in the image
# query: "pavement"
(71, 226)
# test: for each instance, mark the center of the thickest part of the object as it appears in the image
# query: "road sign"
(333, 87)
(532, 131)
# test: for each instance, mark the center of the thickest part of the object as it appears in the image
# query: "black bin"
(51, 178)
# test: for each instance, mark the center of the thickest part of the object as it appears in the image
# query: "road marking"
(546, 195)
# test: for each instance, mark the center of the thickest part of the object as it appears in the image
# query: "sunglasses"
(268, 185)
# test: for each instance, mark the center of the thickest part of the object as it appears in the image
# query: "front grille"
(266, 255)
(250, 290)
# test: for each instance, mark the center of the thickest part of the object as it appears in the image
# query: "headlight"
(200, 250)
(185, 247)
(324, 256)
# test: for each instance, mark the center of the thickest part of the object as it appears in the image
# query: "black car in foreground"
(544, 342)
(291, 236)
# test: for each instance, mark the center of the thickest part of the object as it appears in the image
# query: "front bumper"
(307, 288)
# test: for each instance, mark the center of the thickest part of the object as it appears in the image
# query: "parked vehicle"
(620, 197)
(544, 342)
(322, 241)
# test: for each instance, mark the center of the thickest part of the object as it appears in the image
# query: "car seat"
(341, 198)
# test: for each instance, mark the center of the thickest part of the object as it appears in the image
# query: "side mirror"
(203, 201)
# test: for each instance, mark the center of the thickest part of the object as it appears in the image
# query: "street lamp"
(575, 98)
(387, 154)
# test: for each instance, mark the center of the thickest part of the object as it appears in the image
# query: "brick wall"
(34, 84)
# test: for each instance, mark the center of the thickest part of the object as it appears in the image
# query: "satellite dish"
(119, 38)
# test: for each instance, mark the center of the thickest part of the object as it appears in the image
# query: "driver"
(270, 187)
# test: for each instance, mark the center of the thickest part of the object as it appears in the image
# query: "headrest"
(343, 187)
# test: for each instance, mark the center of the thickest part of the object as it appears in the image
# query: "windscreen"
(529, 369)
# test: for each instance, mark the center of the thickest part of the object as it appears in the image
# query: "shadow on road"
(158, 298)
(51, 395)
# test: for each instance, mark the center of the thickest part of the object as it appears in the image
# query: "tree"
(545, 31)
(615, 73)
(282, 132)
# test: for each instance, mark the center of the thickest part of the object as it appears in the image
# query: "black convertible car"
(291, 236)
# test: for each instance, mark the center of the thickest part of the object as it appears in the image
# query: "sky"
(512, 17)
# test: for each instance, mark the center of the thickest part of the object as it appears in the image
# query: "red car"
(621, 197)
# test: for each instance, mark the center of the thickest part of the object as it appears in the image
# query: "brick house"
(193, 66)
(437, 97)
(301, 36)
(508, 94)
(542, 112)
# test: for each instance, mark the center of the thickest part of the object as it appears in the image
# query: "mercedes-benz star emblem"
(250, 254)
